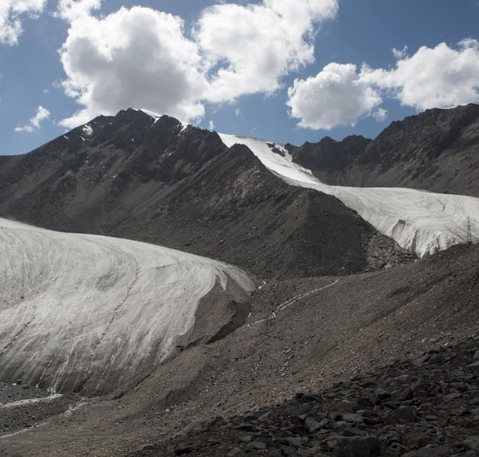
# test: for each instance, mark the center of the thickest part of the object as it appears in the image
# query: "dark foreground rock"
(422, 407)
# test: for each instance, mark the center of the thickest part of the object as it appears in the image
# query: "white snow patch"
(419, 221)
(29, 401)
(87, 130)
(157, 116)
(75, 305)
(152, 114)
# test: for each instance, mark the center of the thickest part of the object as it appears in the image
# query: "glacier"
(91, 312)
(421, 222)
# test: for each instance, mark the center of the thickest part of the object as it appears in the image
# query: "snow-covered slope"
(419, 221)
(81, 309)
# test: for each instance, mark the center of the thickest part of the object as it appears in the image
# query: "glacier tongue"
(419, 221)
(82, 310)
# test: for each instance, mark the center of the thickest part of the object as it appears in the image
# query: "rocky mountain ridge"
(156, 181)
(436, 150)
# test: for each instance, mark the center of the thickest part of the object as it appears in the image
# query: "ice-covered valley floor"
(419, 221)
(80, 310)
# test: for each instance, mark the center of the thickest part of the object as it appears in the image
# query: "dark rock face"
(329, 159)
(236, 210)
(158, 182)
(93, 175)
(437, 150)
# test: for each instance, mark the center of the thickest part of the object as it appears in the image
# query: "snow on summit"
(80, 310)
(419, 221)
(152, 114)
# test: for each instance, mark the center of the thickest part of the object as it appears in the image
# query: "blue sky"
(287, 70)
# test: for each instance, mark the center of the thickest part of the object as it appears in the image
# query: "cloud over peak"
(143, 57)
(146, 58)
(134, 57)
(337, 95)
(439, 77)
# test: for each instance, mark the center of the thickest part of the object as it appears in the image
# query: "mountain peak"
(329, 156)
(150, 113)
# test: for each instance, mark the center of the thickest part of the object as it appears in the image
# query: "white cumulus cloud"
(134, 57)
(34, 123)
(380, 114)
(12, 12)
(145, 58)
(337, 95)
(71, 10)
(440, 77)
(249, 48)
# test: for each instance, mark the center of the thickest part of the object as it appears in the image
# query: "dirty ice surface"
(77, 308)
(419, 221)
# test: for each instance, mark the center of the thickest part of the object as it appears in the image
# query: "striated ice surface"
(78, 308)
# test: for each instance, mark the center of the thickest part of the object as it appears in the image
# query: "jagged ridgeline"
(437, 150)
(158, 181)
